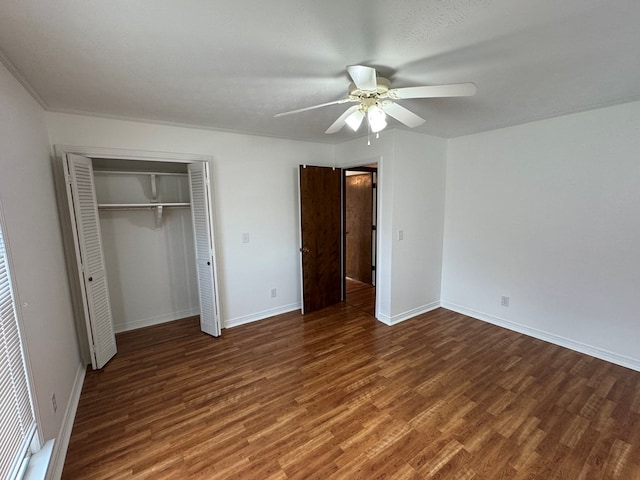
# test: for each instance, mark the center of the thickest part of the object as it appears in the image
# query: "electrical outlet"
(400, 235)
(504, 301)
(54, 403)
(274, 293)
(245, 238)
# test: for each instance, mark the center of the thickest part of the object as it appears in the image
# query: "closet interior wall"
(149, 251)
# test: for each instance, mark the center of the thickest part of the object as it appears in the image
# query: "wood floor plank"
(338, 395)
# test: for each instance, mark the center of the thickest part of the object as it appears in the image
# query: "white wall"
(255, 192)
(35, 247)
(411, 198)
(151, 272)
(419, 173)
(548, 213)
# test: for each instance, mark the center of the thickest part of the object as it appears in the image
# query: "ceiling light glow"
(355, 120)
(377, 118)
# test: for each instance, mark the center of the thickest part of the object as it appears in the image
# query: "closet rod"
(139, 206)
(127, 172)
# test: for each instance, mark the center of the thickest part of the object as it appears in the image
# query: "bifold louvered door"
(91, 267)
(201, 209)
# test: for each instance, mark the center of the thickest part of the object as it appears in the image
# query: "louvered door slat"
(97, 308)
(201, 212)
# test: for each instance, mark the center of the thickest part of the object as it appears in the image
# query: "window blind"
(18, 424)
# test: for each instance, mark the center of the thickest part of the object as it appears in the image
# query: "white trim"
(13, 70)
(62, 443)
(386, 319)
(158, 319)
(401, 317)
(254, 317)
(130, 154)
(602, 354)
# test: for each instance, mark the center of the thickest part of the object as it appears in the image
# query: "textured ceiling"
(233, 64)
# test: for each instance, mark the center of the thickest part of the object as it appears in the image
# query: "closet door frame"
(114, 154)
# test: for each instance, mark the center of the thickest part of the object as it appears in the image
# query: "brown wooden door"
(358, 219)
(321, 236)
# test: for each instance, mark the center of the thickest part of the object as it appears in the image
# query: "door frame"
(377, 159)
(374, 201)
(61, 151)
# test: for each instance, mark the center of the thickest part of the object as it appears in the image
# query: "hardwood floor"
(338, 395)
(361, 295)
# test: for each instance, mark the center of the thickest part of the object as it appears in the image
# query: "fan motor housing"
(382, 87)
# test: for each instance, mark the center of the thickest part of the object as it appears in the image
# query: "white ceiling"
(233, 64)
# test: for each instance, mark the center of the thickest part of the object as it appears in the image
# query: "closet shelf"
(153, 200)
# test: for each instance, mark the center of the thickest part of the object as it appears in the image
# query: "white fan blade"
(403, 115)
(363, 77)
(342, 119)
(342, 100)
(434, 91)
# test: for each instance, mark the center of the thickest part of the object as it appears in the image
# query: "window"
(17, 427)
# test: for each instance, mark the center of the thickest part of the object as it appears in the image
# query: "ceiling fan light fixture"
(374, 99)
(377, 118)
(355, 120)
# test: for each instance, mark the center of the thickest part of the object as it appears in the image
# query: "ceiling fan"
(374, 100)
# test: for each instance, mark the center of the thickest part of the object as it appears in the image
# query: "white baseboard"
(602, 354)
(147, 322)
(62, 442)
(401, 317)
(254, 317)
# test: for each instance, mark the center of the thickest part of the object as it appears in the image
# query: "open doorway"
(360, 213)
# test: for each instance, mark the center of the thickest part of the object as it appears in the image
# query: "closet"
(139, 243)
